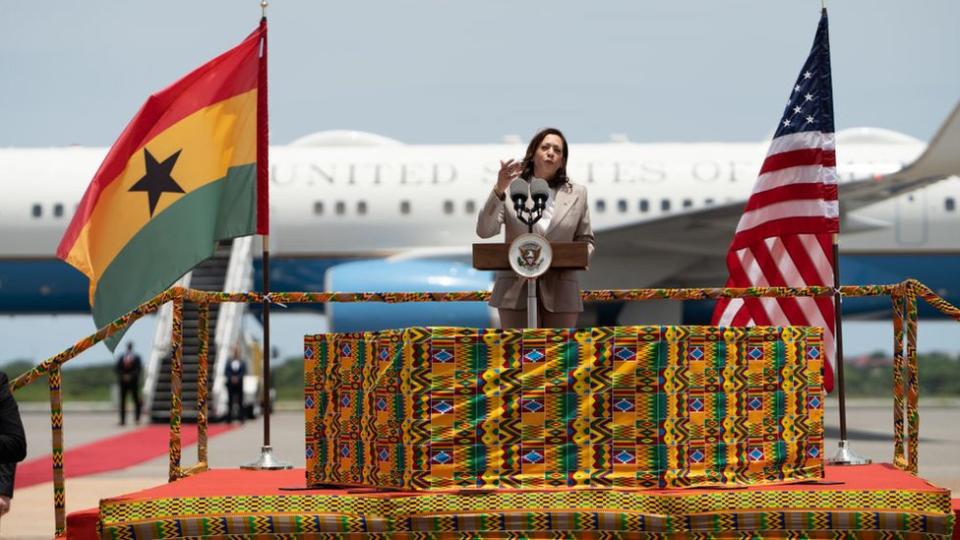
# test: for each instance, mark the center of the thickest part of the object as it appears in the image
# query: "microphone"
(518, 193)
(539, 192)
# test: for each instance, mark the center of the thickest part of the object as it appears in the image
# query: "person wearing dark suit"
(566, 218)
(128, 370)
(234, 372)
(13, 442)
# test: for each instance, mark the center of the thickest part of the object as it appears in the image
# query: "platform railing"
(904, 295)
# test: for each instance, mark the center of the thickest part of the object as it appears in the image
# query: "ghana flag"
(189, 169)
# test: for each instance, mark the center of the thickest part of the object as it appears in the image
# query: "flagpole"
(266, 460)
(845, 455)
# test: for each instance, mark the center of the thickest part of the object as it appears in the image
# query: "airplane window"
(340, 208)
(665, 205)
(687, 203)
(601, 205)
(404, 207)
(622, 205)
(949, 204)
(447, 207)
(37, 210)
(708, 201)
(318, 208)
(470, 207)
(644, 205)
(58, 210)
(362, 207)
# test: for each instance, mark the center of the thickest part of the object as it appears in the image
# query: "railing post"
(204, 336)
(898, 298)
(913, 382)
(56, 426)
(176, 377)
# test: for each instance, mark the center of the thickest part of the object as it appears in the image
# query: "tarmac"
(869, 422)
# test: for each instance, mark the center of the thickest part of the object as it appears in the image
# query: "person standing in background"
(235, 372)
(128, 370)
(13, 442)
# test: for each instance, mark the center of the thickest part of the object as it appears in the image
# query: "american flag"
(784, 237)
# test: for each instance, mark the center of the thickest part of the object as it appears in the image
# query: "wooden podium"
(566, 256)
(496, 256)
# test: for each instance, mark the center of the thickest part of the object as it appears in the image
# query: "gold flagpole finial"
(263, 7)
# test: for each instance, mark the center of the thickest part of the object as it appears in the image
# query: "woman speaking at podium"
(566, 218)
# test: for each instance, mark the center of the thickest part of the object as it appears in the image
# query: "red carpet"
(112, 453)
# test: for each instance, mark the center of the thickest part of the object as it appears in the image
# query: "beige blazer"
(559, 289)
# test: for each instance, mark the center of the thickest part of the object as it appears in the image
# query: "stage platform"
(874, 501)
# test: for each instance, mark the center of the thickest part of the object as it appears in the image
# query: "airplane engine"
(405, 276)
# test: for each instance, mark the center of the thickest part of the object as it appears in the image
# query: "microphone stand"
(529, 217)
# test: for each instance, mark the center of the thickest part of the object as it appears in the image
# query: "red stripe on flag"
(798, 158)
(792, 192)
(742, 318)
(828, 309)
(771, 272)
(826, 244)
(719, 308)
(803, 260)
(739, 278)
(780, 227)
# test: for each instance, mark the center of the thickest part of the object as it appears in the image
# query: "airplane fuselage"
(363, 201)
(335, 202)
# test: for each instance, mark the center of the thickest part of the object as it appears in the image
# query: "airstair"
(229, 270)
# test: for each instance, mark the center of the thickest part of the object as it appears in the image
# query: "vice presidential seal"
(530, 255)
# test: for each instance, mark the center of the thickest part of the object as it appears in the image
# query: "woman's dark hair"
(560, 178)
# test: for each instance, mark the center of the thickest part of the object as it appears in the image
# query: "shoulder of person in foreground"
(5, 392)
(13, 441)
(8, 473)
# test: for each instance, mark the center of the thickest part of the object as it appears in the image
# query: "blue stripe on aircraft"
(51, 286)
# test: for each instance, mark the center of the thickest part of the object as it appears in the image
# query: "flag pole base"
(846, 456)
(267, 462)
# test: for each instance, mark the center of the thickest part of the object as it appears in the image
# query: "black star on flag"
(157, 179)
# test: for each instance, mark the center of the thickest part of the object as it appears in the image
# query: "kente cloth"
(630, 407)
(873, 501)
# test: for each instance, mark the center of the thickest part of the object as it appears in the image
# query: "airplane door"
(912, 218)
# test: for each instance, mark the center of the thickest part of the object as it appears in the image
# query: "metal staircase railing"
(209, 275)
(227, 331)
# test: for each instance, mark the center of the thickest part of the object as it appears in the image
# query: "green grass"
(91, 383)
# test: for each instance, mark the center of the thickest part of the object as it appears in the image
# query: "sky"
(432, 71)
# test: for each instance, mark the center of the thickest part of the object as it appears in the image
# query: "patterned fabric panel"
(574, 513)
(630, 407)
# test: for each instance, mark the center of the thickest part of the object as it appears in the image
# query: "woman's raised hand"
(509, 170)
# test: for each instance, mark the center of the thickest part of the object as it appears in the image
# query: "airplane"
(354, 211)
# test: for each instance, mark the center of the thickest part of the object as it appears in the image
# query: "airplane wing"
(696, 242)
(940, 160)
